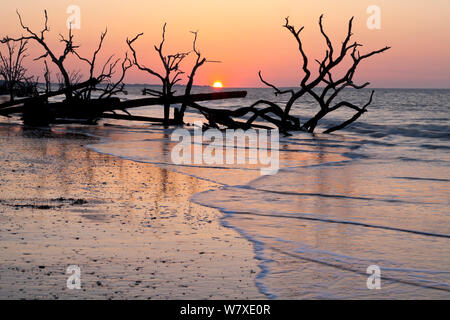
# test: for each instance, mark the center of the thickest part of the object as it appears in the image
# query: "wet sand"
(130, 227)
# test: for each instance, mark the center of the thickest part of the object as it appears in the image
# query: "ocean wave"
(375, 192)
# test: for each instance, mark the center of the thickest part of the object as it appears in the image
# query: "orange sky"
(247, 35)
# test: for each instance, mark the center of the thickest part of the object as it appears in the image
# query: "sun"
(217, 84)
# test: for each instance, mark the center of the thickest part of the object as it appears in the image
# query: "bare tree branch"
(200, 60)
(277, 91)
(172, 72)
(13, 71)
(326, 95)
(352, 119)
(40, 39)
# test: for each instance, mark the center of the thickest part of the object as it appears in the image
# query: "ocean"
(374, 194)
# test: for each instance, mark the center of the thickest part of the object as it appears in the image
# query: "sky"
(247, 36)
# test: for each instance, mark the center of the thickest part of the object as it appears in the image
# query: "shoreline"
(130, 226)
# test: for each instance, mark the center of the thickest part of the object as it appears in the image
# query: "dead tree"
(332, 86)
(105, 76)
(40, 39)
(169, 77)
(199, 61)
(67, 78)
(227, 118)
(309, 85)
(115, 87)
(47, 78)
(12, 69)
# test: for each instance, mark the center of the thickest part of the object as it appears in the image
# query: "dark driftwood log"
(135, 118)
(41, 114)
(179, 99)
(37, 111)
(225, 117)
(173, 100)
(9, 111)
(48, 95)
(81, 109)
(117, 105)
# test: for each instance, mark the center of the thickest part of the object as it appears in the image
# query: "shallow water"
(376, 193)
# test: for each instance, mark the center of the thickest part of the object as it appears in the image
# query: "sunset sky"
(247, 36)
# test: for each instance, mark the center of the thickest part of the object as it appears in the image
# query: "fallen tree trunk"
(9, 111)
(48, 95)
(38, 111)
(179, 99)
(135, 118)
(42, 114)
(5, 109)
(225, 117)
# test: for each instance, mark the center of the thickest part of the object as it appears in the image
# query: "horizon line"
(281, 87)
(264, 87)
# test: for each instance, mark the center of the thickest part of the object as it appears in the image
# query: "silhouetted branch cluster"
(68, 78)
(171, 63)
(110, 87)
(13, 71)
(323, 85)
(40, 39)
(172, 73)
(332, 87)
(309, 85)
(199, 61)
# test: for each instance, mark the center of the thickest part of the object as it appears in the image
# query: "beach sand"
(130, 227)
